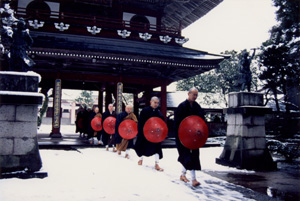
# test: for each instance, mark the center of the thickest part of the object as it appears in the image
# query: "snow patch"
(95, 174)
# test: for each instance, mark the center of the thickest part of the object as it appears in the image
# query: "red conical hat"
(193, 132)
(109, 125)
(128, 129)
(155, 130)
(96, 124)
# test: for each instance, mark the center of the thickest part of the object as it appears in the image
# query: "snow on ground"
(95, 174)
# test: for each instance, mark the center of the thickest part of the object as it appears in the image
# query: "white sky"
(232, 25)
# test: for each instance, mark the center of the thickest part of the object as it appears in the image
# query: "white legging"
(127, 151)
(106, 146)
(193, 173)
(156, 158)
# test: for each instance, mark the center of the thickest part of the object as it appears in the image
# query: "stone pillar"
(245, 145)
(19, 100)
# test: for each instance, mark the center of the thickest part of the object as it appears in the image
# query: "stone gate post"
(245, 145)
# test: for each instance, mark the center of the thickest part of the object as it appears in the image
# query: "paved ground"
(282, 184)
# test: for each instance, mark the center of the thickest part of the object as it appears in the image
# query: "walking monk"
(124, 144)
(143, 147)
(108, 140)
(190, 159)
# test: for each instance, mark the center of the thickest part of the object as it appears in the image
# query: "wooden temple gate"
(94, 45)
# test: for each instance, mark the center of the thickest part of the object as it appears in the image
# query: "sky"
(232, 25)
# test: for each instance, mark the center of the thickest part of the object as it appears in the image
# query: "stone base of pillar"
(24, 175)
(18, 122)
(247, 159)
(245, 145)
(55, 135)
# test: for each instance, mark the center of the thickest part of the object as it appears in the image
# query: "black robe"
(190, 159)
(118, 138)
(105, 136)
(90, 130)
(79, 117)
(142, 146)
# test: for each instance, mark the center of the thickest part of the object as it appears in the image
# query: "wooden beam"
(94, 77)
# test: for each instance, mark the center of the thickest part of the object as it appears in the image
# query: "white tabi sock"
(183, 172)
(127, 151)
(193, 174)
(156, 158)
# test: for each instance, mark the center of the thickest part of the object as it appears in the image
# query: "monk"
(143, 147)
(124, 144)
(189, 159)
(108, 140)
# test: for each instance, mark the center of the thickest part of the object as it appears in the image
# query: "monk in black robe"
(91, 132)
(124, 144)
(190, 159)
(79, 122)
(108, 139)
(143, 147)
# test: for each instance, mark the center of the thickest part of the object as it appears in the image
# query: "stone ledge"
(21, 98)
(237, 99)
(248, 110)
(14, 81)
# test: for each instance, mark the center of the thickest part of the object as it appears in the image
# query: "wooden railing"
(78, 23)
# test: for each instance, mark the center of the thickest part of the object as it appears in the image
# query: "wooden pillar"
(108, 96)
(147, 97)
(100, 101)
(135, 105)
(119, 102)
(163, 100)
(114, 93)
(56, 117)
